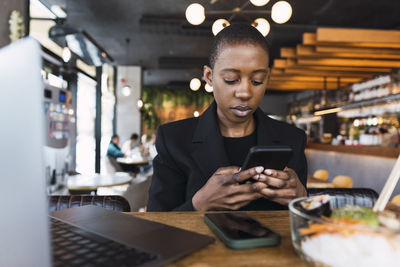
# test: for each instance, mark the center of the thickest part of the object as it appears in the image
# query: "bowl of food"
(345, 235)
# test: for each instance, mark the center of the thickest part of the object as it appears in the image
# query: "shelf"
(370, 102)
(379, 151)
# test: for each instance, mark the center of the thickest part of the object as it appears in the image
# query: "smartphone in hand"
(239, 230)
(269, 157)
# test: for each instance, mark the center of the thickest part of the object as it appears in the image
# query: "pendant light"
(126, 90)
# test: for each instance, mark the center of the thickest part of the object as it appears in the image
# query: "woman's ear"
(207, 73)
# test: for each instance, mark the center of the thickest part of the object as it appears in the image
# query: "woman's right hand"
(223, 191)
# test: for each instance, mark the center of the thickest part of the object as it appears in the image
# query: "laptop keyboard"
(73, 246)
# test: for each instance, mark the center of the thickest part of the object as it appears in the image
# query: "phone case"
(270, 157)
(245, 243)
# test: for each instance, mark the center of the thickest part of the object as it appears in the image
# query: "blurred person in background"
(113, 149)
(131, 144)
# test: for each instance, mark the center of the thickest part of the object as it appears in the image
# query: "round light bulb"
(262, 25)
(195, 84)
(195, 14)
(196, 113)
(66, 54)
(259, 2)
(281, 12)
(219, 25)
(208, 88)
(126, 90)
(140, 103)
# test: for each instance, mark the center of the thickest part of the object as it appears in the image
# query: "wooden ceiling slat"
(305, 50)
(280, 63)
(309, 38)
(357, 36)
(357, 50)
(349, 62)
(371, 70)
(288, 52)
(276, 71)
(343, 80)
(301, 86)
(340, 52)
(328, 73)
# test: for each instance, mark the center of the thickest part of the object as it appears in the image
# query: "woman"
(198, 158)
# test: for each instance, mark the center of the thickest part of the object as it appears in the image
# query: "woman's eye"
(230, 81)
(256, 83)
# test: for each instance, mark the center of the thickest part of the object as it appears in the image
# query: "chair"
(115, 203)
(137, 193)
(396, 199)
(112, 165)
(342, 181)
(347, 196)
(321, 175)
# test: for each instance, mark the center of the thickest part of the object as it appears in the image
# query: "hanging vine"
(156, 98)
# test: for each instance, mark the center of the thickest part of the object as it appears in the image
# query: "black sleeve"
(301, 168)
(168, 187)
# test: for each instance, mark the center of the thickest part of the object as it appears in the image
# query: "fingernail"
(257, 176)
(259, 169)
(268, 172)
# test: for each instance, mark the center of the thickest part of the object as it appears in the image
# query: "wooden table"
(82, 183)
(217, 254)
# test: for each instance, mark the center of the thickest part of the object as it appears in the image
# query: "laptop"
(29, 236)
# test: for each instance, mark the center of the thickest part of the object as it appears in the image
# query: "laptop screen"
(24, 236)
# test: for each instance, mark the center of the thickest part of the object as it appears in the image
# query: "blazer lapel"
(209, 152)
(266, 133)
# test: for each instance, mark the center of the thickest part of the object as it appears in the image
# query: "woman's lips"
(241, 111)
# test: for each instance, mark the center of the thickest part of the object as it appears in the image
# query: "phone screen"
(239, 226)
(270, 157)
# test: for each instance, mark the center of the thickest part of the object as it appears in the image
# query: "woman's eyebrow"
(231, 70)
(260, 70)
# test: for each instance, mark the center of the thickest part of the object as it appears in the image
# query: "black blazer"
(191, 150)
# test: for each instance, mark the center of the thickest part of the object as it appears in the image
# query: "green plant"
(154, 98)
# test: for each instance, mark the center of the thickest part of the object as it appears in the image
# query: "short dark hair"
(233, 35)
(134, 136)
(114, 136)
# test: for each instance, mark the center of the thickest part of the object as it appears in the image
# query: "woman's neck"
(230, 129)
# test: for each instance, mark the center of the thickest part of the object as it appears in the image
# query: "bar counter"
(379, 151)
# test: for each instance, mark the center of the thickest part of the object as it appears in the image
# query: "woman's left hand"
(280, 186)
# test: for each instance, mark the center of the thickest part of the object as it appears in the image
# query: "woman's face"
(239, 79)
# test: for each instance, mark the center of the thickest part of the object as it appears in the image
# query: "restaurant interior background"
(128, 66)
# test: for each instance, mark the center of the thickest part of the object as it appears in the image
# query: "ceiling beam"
(301, 86)
(288, 52)
(328, 73)
(339, 62)
(340, 35)
(300, 78)
(318, 64)
(311, 39)
(357, 50)
(343, 52)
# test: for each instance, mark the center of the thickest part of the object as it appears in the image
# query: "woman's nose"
(243, 91)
